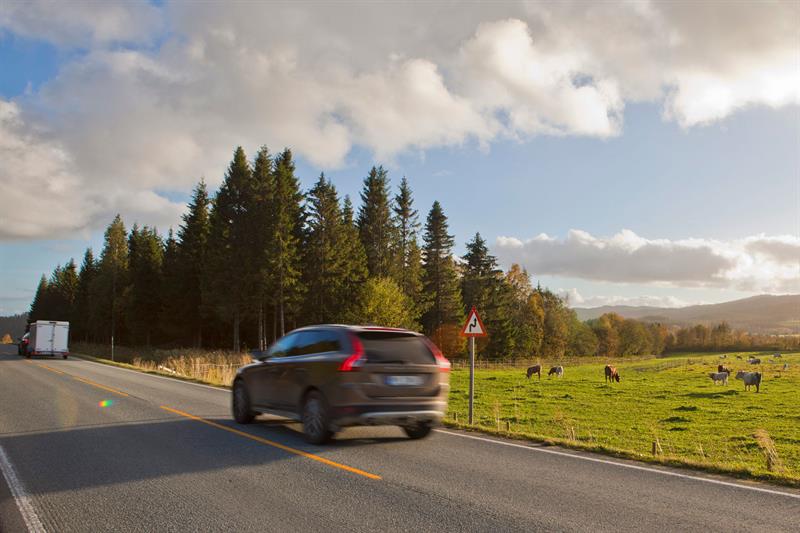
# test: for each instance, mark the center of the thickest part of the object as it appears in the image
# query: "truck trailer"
(48, 337)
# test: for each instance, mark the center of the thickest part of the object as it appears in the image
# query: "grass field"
(669, 403)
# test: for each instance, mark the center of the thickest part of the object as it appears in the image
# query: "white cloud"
(44, 195)
(163, 94)
(81, 22)
(759, 263)
(575, 299)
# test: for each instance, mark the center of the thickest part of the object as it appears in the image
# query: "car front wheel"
(315, 419)
(241, 404)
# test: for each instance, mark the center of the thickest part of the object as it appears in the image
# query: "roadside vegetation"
(665, 410)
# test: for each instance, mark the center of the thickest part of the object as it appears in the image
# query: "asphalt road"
(165, 455)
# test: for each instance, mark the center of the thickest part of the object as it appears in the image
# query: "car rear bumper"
(383, 415)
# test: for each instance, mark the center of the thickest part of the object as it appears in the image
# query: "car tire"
(316, 425)
(65, 356)
(419, 431)
(242, 411)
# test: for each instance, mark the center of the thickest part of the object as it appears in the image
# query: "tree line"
(262, 257)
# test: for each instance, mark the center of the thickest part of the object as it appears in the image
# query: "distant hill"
(14, 325)
(757, 314)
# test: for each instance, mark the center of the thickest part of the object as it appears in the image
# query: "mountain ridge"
(765, 313)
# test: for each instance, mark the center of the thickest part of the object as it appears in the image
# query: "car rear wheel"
(241, 404)
(419, 431)
(315, 419)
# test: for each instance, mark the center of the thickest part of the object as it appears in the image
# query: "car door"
(289, 369)
(305, 366)
(263, 379)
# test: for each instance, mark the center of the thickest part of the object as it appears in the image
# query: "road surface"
(89, 447)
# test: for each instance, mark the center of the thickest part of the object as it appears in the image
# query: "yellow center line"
(93, 384)
(82, 380)
(49, 368)
(273, 443)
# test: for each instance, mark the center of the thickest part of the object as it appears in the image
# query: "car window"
(315, 341)
(395, 347)
(283, 346)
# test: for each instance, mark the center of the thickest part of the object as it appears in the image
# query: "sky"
(642, 153)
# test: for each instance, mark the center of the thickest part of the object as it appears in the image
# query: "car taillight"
(441, 360)
(356, 359)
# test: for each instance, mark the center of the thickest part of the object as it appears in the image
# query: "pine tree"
(191, 259)
(375, 223)
(83, 304)
(441, 285)
(284, 257)
(146, 255)
(227, 288)
(409, 262)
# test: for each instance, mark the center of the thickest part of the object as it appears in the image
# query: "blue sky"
(606, 185)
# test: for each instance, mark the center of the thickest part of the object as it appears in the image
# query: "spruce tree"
(146, 254)
(175, 324)
(227, 288)
(484, 287)
(375, 223)
(83, 303)
(108, 287)
(323, 258)
(37, 309)
(354, 267)
(191, 259)
(283, 261)
(445, 314)
(409, 262)
(261, 222)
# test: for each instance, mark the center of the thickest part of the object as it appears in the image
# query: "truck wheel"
(65, 356)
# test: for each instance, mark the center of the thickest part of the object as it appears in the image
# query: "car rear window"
(395, 347)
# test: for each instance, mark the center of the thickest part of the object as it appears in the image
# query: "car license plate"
(404, 381)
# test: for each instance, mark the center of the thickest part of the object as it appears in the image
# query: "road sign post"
(473, 328)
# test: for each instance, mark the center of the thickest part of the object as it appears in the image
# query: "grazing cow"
(777, 356)
(557, 370)
(535, 369)
(754, 361)
(750, 379)
(723, 368)
(611, 374)
(738, 357)
(722, 377)
(723, 356)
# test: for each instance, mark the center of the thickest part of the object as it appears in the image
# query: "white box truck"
(49, 337)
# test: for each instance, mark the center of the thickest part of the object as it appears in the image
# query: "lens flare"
(106, 403)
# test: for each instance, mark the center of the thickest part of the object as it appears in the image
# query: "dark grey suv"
(332, 376)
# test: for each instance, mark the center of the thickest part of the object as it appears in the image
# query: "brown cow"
(535, 369)
(723, 368)
(611, 374)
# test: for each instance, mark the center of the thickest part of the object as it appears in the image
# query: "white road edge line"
(20, 495)
(139, 372)
(624, 465)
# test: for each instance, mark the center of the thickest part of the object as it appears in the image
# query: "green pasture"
(669, 405)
